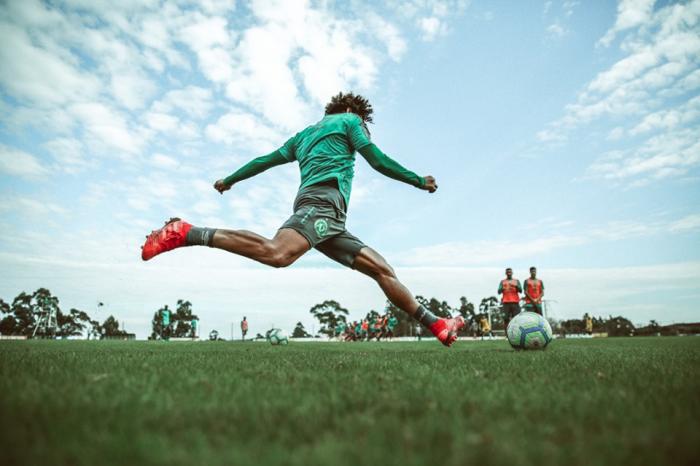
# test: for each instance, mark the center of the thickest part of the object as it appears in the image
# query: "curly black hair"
(357, 104)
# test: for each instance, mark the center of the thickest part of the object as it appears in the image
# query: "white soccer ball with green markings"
(278, 337)
(529, 330)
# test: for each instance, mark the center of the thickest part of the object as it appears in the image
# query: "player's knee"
(280, 259)
(382, 271)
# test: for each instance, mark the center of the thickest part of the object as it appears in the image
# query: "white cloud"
(196, 102)
(164, 162)
(68, 154)
(662, 49)
(106, 126)
(389, 35)
(30, 207)
(491, 252)
(14, 162)
(669, 154)
(32, 73)
(556, 30)
(431, 27)
(210, 39)
(243, 129)
(568, 7)
(616, 133)
(630, 14)
(431, 17)
(161, 121)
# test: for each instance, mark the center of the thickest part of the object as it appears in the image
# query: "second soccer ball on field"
(278, 337)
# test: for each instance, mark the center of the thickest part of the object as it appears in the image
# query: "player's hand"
(430, 184)
(221, 186)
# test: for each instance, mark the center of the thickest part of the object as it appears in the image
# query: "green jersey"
(326, 150)
(392, 322)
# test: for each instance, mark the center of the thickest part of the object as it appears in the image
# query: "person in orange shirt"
(534, 292)
(510, 288)
(244, 328)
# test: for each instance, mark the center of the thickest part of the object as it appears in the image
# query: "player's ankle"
(425, 317)
(200, 236)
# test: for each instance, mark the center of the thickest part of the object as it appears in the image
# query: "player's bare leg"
(371, 263)
(286, 247)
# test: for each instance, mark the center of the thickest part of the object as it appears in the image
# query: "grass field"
(602, 401)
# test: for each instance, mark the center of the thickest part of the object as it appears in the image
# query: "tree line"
(330, 313)
(21, 317)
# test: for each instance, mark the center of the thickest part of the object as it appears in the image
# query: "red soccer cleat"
(446, 329)
(171, 236)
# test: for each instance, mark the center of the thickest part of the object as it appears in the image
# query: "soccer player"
(340, 329)
(365, 330)
(244, 328)
(534, 292)
(510, 289)
(379, 327)
(485, 327)
(588, 322)
(325, 152)
(391, 325)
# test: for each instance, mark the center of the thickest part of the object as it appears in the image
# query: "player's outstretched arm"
(251, 169)
(391, 168)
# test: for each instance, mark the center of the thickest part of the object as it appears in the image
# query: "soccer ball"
(529, 330)
(278, 337)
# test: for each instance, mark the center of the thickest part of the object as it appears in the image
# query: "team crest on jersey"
(321, 227)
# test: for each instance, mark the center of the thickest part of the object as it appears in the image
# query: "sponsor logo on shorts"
(321, 227)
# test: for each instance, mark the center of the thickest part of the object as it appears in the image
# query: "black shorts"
(511, 310)
(319, 216)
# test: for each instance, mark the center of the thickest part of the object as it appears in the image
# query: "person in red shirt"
(534, 292)
(510, 288)
(244, 327)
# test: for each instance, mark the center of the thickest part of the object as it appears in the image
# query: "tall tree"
(95, 330)
(7, 322)
(111, 327)
(8, 325)
(23, 311)
(466, 309)
(329, 313)
(490, 305)
(182, 319)
(300, 331)
(439, 308)
(69, 324)
(619, 327)
(406, 325)
(156, 326)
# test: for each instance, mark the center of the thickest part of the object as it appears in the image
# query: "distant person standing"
(534, 292)
(588, 322)
(165, 323)
(244, 328)
(510, 288)
(485, 326)
(340, 329)
(391, 325)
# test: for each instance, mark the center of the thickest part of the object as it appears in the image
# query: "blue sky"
(563, 134)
